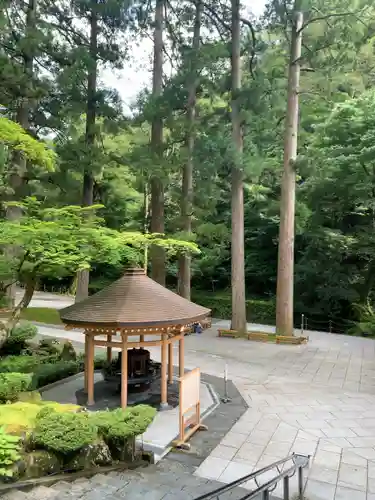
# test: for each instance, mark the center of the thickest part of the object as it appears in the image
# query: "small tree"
(59, 242)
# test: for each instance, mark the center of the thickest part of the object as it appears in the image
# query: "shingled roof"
(132, 301)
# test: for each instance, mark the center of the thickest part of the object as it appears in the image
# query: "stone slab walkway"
(316, 399)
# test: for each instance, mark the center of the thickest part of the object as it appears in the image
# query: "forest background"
(168, 166)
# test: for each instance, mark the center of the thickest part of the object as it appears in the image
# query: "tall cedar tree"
(184, 271)
(157, 254)
(285, 269)
(88, 177)
(237, 249)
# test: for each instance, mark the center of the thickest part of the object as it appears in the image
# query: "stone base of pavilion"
(164, 428)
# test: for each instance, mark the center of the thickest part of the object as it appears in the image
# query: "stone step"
(14, 495)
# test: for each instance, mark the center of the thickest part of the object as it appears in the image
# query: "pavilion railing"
(299, 462)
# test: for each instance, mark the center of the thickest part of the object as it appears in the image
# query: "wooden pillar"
(170, 362)
(124, 372)
(164, 388)
(90, 369)
(141, 339)
(109, 349)
(85, 360)
(181, 356)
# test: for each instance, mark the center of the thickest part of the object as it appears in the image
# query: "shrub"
(21, 417)
(122, 424)
(48, 348)
(257, 311)
(12, 384)
(19, 364)
(48, 373)
(9, 452)
(18, 338)
(64, 432)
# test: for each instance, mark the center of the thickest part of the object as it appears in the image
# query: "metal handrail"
(299, 463)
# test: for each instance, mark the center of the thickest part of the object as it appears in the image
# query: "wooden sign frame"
(189, 399)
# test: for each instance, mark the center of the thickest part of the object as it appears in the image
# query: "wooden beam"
(90, 370)
(170, 362)
(109, 349)
(131, 345)
(181, 356)
(164, 388)
(124, 373)
(86, 363)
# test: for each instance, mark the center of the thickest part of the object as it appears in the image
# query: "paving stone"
(178, 494)
(352, 476)
(225, 452)
(316, 490)
(343, 493)
(212, 468)
(234, 471)
(351, 458)
(62, 486)
(42, 493)
(327, 459)
(14, 495)
(323, 474)
(234, 439)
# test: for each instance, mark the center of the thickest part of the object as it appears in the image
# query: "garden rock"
(122, 449)
(41, 463)
(91, 455)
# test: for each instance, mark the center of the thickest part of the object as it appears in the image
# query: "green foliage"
(14, 136)
(20, 417)
(61, 241)
(18, 338)
(45, 315)
(257, 311)
(48, 373)
(64, 432)
(9, 452)
(19, 364)
(12, 384)
(121, 424)
(365, 326)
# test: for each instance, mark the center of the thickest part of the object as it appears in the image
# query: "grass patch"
(42, 315)
(21, 416)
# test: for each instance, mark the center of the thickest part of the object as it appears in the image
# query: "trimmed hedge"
(63, 432)
(48, 373)
(121, 424)
(257, 311)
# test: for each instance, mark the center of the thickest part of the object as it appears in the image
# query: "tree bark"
(83, 277)
(237, 249)
(7, 326)
(285, 269)
(157, 254)
(184, 270)
(18, 168)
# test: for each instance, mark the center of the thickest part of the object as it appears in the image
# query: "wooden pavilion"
(133, 306)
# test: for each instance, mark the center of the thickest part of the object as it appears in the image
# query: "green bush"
(9, 452)
(64, 432)
(122, 424)
(18, 338)
(257, 311)
(19, 364)
(12, 384)
(48, 373)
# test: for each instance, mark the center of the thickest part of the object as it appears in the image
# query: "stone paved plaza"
(317, 399)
